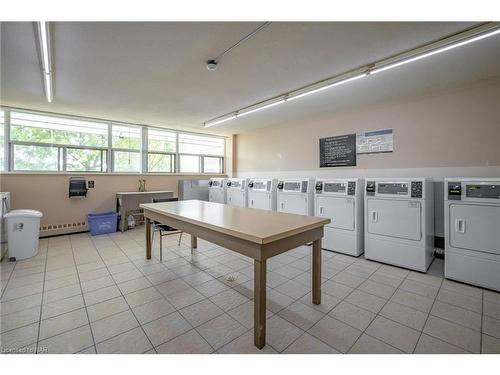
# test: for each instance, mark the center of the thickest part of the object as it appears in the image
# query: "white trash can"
(23, 228)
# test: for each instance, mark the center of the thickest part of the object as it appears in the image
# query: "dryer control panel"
(473, 190)
(335, 187)
(400, 189)
(216, 182)
(260, 185)
(236, 184)
(293, 186)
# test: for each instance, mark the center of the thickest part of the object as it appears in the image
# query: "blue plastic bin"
(103, 223)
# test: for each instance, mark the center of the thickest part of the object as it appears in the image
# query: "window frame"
(108, 151)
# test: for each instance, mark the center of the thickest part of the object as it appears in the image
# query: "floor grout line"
(41, 302)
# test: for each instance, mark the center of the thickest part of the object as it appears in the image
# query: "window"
(210, 150)
(189, 164)
(51, 143)
(162, 146)
(2, 139)
(126, 145)
(212, 165)
(39, 141)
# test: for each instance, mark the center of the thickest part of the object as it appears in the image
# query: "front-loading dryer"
(399, 221)
(217, 190)
(472, 231)
(296, 196)
(341, 200)
(237, 191)
(262, 193)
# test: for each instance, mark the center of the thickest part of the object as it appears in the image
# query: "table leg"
(316, 272)
(148, 238)
(194, 242)
(259, 313)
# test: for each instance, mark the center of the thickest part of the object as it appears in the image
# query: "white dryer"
(217, 190)
(262, 193)
(296, 196)
(472, 231)
(341, 200)
(237, 191)
(399, 222)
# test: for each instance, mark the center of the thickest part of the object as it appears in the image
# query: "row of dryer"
(391, 220)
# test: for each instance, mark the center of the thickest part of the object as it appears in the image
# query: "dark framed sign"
(338, 151)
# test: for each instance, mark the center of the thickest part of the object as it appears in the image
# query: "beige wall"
(49, 193)
(459, 128)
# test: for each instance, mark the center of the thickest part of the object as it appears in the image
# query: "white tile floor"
(84, 294)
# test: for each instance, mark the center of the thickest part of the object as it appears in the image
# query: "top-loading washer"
(341, 200)
(262, 193)
(296, 196)
(237, 191)
(399, 221)
(472, 231)
(217, 190)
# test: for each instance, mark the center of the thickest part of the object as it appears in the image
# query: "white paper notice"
(375, 141)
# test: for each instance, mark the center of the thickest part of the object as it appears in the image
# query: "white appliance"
(472, 231)
(262, 193)
(296, 196)
(217, 190)
(193, 189)
(341, 201)
(4, 208)
(399, 221)
(237, 192)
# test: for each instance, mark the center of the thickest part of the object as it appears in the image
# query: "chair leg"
(180, 238)
(161, 248)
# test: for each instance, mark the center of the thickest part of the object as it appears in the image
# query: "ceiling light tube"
(319, 89)
(435, 51)
(48, 87)
(217, 122)
(241, 114)
(44, 45)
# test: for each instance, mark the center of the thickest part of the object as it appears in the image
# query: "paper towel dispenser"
(77, 187)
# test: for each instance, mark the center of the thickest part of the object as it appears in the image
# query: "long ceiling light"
(445, 44)
(46, 57)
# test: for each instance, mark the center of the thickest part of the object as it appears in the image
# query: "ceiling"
(154, 73)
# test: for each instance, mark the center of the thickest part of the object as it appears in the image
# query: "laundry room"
(283, 186)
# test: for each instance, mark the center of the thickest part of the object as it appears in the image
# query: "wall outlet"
(91, 184)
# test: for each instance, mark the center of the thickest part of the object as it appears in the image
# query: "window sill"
(20, 173)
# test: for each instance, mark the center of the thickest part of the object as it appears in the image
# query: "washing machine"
(237, 192)
(472, 231)
(262, 193)
(341, 201)
(399, 222)
(217, 190)
(296, 196)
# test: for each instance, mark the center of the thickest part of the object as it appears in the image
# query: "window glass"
(29, 127)
(200, 145)
(126, 137)
(189, 164)
(161, 140)
(212, 165)
(125, 161)
(2, 138)
(160, 163)
(78, 159)
(35, 158)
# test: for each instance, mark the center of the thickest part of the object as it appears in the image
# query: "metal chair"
(165, 230)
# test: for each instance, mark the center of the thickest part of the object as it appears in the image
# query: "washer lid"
(23, 213)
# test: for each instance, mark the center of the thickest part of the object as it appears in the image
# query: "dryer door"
(236, 198)
(475, 227)
(259, 200)
(395, 218)
(340, 210)
(216, 195)
(292, 204)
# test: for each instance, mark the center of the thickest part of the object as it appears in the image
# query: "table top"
(143, 192)
(258, 226)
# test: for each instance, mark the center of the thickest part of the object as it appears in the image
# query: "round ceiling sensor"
(211, 65)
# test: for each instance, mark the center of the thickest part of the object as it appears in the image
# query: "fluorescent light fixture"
(48, 87)
(45, 56)
(241, 114)
(319, 89)
(445, 44)
(435, 52)
(44, 38)
(217, 122)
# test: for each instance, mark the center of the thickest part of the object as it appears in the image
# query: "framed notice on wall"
(375, 141)
(338, 151)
